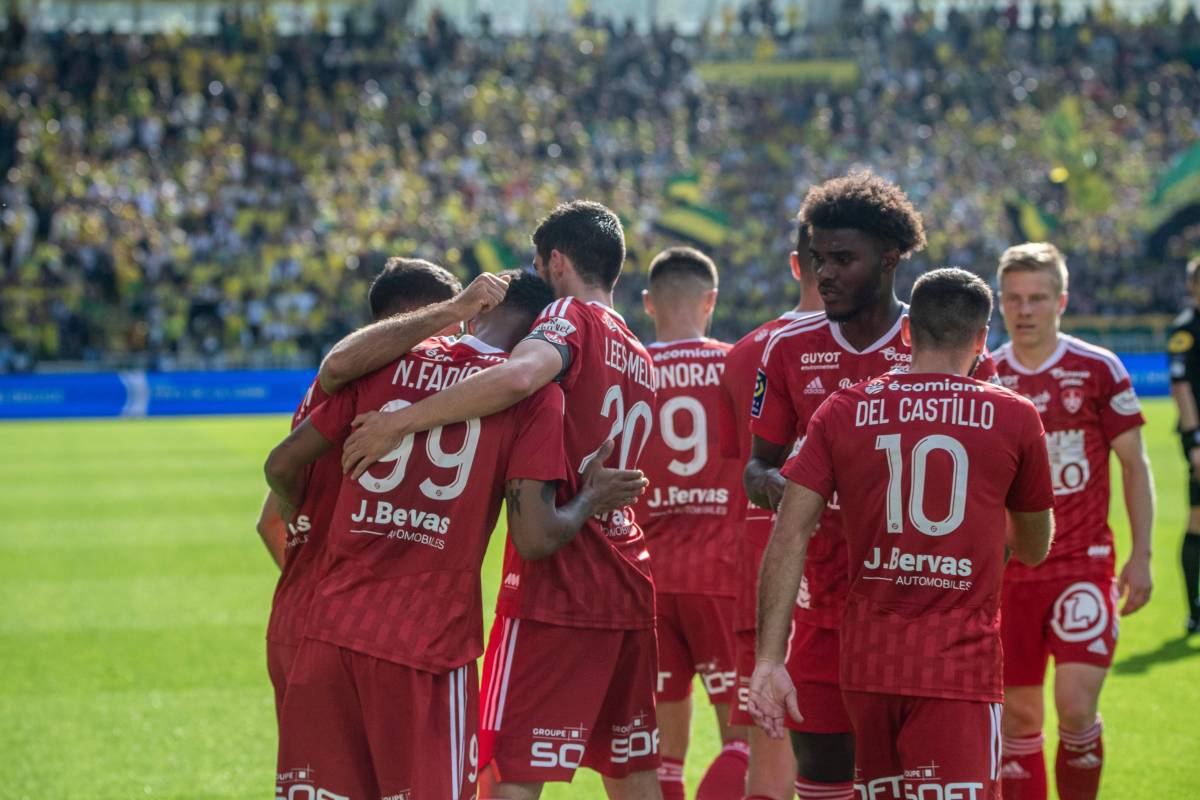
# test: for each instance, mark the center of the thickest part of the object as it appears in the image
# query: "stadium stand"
(216, 200)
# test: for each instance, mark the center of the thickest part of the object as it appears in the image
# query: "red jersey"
(803, 363)
(738, 391)
(925, 466)
(686, 512)
(1086, 400)
(305, 535)
(602, 578)
(400, 579)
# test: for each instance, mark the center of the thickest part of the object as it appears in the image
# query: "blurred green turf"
(134, 592)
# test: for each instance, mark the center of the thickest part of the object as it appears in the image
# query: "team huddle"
(862, 531)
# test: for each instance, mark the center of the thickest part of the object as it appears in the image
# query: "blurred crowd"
(219, 200)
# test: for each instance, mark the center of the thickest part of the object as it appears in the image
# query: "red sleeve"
(1032, 488)
(985, 370)
(538, 452)
(562, 324)
(727, 421)
(1120, 409)
(333, 417)
(772, 413)
(812, 467)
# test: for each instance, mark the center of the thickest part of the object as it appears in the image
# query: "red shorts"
(743, 641)
(812, 662)
(279, 664)
(355, 726)
(695, 637)
(557, 698)
(1073, 620)
(924, 747)
(755, 534)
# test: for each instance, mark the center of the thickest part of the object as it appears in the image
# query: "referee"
(1183, 350)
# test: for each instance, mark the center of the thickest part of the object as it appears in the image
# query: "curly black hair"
(863, 201)
(527, 293)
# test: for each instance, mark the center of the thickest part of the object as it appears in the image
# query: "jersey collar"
(478, 344)
(609, 309)
(1050, 361)
(836, 330)
(698, 340)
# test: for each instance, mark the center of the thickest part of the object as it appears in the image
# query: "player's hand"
(771, 695)
(1135, 584)
(483, 294)
(774, 487)
(376, 433)
(611, 489)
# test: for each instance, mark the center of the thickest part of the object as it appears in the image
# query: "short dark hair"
(803, 239)
(686, 263)
(406, 284)
(948, 307)
(527, 293)
(589, 234)
(865, 202)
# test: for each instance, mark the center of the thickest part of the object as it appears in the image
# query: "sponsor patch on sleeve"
(760, 393)
(1126, 402)
(554, 330)
(1180, 342)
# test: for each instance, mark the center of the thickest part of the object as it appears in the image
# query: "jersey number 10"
(919, 457)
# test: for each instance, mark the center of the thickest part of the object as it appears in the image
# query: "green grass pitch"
(134, 593)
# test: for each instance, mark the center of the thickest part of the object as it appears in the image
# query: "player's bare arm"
(764, 485)
(285, 466)
(534, 363)
(272, 528)
(771, 689)
(1029, 535)
(538, 527)
(374, 346)
(1135, 582)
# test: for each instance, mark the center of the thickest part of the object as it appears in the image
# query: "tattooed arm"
(539, 527)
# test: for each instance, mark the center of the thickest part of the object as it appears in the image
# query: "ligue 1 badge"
(1072, 399)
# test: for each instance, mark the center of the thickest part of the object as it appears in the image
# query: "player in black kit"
(1183, 350)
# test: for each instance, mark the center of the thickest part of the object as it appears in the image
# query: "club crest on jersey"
(760, 393)
(1072, 400)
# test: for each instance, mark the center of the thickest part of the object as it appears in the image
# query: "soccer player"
(860, 227)
(570, 669)
(1067, 607)
(1183, 350)
(686, 520)
(382, 698)
(772, 768)
(928, 466)
(404, 286)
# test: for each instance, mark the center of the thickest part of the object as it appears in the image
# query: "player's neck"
(677, 330)
(940, 363)
(810, 300)
(868, 325)
(591, 294)
(1032, 356)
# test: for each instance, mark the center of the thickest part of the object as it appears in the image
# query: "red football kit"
(803, 363)
(926, 466)
(1067, 605)
(305, 537)
(588, 609)
(686, 515)
(397, 613)
(737, 395)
